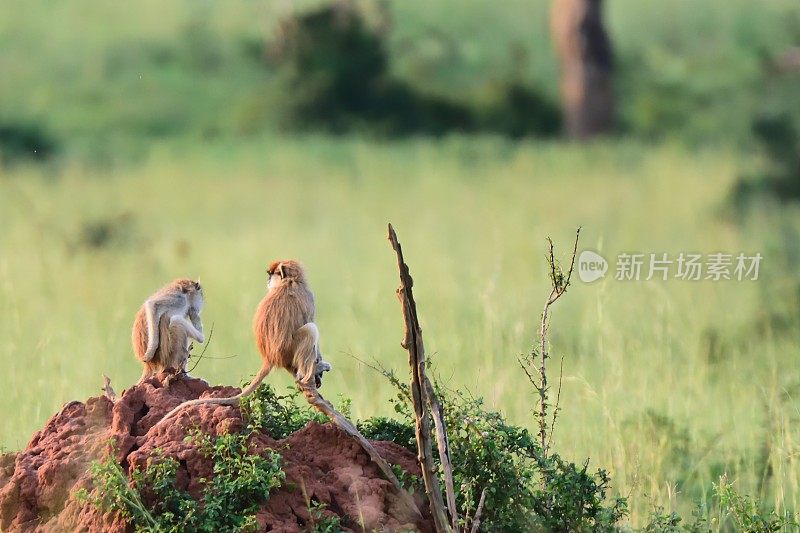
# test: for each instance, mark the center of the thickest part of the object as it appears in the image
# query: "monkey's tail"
(233, 400)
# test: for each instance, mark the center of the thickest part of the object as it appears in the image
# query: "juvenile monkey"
(165, 324)
(285, 332)
(173, 346)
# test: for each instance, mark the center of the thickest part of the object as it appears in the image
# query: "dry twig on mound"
(423, 398)
(108, 391)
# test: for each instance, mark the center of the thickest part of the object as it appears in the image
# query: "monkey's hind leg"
(325, 407)
(306, 348)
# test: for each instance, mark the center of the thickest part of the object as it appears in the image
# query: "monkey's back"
(280, 314)
(172, 343)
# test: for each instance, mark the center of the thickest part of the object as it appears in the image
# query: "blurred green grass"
(665, 383)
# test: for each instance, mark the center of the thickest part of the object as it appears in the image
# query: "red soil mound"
(38, 483)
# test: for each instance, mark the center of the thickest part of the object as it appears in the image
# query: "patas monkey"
(164, 326)
(285, 332)
(284, 327)
(173, 346)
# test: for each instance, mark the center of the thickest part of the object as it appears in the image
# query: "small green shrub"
(240, 484)
(778, 139)
(525, 491)
(106, 232)
(321, 523)
(280, 416)
(383, 428)
(339, 79)
(746, 512)
(407, 480)
(662, 522)
(113, 492)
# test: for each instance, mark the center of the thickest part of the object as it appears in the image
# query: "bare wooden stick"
(412, 341)
(314, 398)
(476, 520)
(108, 392)
(444, 451)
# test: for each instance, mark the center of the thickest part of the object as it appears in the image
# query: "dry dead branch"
(108, 392)
(423, 397)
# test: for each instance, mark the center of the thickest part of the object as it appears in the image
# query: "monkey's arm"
(191, 331)
(195, 318)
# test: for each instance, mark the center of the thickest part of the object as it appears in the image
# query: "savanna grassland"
(167, 167)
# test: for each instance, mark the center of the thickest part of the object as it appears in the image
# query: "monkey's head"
(192, 290)
(286, 270)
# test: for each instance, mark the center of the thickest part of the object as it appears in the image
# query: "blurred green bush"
(203, 71)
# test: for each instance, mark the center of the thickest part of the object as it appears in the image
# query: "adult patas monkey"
(165, 325)
(285, 332)
(284, 327)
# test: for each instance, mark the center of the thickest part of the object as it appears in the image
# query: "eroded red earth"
(37, 484)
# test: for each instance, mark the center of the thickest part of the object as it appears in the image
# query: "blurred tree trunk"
(585, 58)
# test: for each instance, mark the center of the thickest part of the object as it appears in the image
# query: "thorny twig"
(558, 401)
(560, 282)
(208, 343)
(387, 373)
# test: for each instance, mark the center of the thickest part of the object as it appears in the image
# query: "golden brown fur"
(286, 335)
(280, 317)
(172, 353)
(174, 313)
